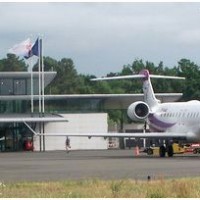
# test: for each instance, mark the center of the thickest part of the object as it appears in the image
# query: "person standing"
(67, 144)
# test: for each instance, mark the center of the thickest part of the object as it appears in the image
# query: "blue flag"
(34, 51)
(35, 47)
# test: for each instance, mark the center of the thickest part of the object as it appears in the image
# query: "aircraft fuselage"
(180, 117)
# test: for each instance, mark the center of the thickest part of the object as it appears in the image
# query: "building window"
(19, 86)
(6, 87)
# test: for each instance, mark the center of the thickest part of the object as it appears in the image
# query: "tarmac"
(102, 164)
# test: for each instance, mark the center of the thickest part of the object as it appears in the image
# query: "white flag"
(21, 49)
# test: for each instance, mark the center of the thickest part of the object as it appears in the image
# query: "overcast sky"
(102, 37)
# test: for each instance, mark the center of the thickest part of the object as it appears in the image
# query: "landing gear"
(149, 151)
(170, 151)
(162, 151)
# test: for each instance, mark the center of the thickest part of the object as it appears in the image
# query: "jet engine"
(138, 111)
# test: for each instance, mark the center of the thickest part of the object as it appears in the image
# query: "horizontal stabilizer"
(137, 76)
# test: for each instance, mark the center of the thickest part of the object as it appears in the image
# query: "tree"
(191, 71)
(50, 64)
(13, 63)
(66, 79)
(137, 66)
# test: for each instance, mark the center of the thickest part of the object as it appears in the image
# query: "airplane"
(173, 121)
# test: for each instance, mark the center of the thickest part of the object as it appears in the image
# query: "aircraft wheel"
(149, 151)
(162, 151)
(194, 151)
(170, 151)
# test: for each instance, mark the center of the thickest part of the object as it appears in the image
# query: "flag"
(34, 51)
(21, 49)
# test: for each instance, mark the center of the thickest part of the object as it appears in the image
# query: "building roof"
(110, 101)
(48, 76)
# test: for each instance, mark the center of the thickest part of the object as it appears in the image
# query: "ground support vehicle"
(194, 148)
(175, 148)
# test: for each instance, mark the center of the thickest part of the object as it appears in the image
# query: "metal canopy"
(110, 101)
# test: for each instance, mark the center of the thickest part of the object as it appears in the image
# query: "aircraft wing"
(125, 135)
(110, 101)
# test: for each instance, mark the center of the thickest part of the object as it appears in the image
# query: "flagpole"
(31, 66)
(39, 74)
(39, 87)
(42, 62)
(32, 103)
(43, 110)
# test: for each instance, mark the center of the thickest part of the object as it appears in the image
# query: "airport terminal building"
(15, 101)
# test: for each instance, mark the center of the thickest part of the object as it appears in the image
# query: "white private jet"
(167, 121)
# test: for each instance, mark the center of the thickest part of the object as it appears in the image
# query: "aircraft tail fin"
(149, 96)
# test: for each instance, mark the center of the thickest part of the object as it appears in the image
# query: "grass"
(96, 188)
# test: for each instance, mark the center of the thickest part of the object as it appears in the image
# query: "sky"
(103, 37)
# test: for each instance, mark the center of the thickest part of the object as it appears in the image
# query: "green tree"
(13, 63)
(190, 70)
(50, 64)
(66, 81)
(137, 66)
